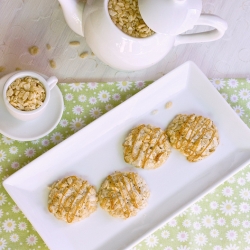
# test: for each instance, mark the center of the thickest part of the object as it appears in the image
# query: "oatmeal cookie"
(124, 194)
(72, 199)
(146, 147)
(194, 136)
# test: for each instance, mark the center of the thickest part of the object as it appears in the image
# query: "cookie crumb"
(2, 69)
(18, 69)
(74, 43)
(52, 64)
(33, 50)
(48, 46)
(154, 112)
(92, 54)
(83, 54)
(168, 105)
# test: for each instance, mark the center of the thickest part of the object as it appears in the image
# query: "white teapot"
(167, 18)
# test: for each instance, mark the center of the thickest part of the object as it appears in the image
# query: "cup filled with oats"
(26, 94)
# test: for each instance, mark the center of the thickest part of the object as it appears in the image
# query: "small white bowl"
(33, 114)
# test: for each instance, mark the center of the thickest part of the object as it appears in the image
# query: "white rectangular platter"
(96, 151)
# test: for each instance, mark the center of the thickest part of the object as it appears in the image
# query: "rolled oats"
(52, 64)
(74, 43)
(33, 50)
(26, 94)
(168, 105)
(48, 46)
(2, 69)
(83, 54)
(126, 16)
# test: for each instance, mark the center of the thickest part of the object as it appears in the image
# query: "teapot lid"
(170, 17)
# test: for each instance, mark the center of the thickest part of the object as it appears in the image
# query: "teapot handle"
(205, 19)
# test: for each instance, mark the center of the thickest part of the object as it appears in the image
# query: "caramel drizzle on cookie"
(152, 148)
(192, 129)
(70, 214)
(130, 193)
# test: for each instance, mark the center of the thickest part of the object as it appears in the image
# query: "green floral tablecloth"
(218, 221)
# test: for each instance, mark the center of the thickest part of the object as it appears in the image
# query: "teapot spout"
(72, 10)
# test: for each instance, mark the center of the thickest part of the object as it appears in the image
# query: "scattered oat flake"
(52, 64)
(92, 54)
(33, 50)
(155, 112)
(18, 69)
(2, 68)
(168, 105)
(74, 43)
(83, 54)
(48, 46)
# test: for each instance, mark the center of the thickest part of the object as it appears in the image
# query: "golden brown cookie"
(194, 136)
(72, 199)
(146, 147)
(124, 194)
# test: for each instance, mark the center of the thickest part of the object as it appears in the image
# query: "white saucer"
(35, 129)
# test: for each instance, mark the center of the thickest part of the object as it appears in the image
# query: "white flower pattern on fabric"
(77, 110)
(244, 94)
(232, 247)
(225, 96)
(200, 239)
(208, 221)
(214, 233)
(104, 96)
(9, 225)
(15, 209)
(64, 123)
(45, 142)
(76, 86)
(109, 107)
(92, 100)
(172, 223)
(76, 124)
(69, 97)
(1, 213)
(92, 85)
(233, 83)
(56, 138)
(22, 226)
(7, 140)
(196, 209)
(227, 191)
(234, 98)
(186, 223)
(152, 241)
(197, 225)
(139, 85)
(247, 237)
(241, 181)
(221, 221)
(182, 236)
(239, 110)
(95, 112)
(124, 86)
(31, 240)
(235, 222)
(218, 83)
(13, 150)
(3, 199)
(231, 235)
(214, 205)
(3, 243)
(165, 234)
(2, 155)
(244, 207)
(116, 97)
(30, 152)
(82, 98)
(245, 194)
(14, 238)
(228, 207)
(246, 224)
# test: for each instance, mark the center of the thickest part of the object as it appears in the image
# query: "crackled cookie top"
(146, 147)
(72, 199)
(194, 136)
(123, 194)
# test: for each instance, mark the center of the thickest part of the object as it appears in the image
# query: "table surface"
(25, 23)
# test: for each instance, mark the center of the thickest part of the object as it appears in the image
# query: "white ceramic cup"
(33, 114)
